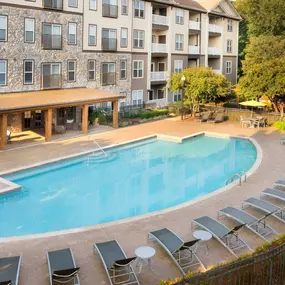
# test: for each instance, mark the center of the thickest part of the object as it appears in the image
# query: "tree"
(243, 41)
(201, 85)
(264, 17)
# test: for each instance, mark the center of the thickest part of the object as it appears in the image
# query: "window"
(72, 33)
(122, 104)
(92, 4)
(28, 72)
(138, 68)
(108, 74)
(51, 75)
(155, 96)
(110, 8)
(229, 65)
(72, 3)
(161, 66)
(52, 36)
(178, 66)
(179, 16)
(3, 28)
(91, 70)
(137, 97)
(92, 35)
(153, 39)
(53, 4)
(124, 7)
(138, 39)
(123, 69)
(71, 65)
(229, 46)
(3, 72)
(160, 94)
(179, 39)
(29, 30)
(177, 96)
(109, 39)
(139, 9)
(124, 37)
(230, 25)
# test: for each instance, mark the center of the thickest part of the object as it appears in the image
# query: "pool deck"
(132, 234)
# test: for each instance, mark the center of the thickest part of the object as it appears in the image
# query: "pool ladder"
(238, 175)
(100, 148)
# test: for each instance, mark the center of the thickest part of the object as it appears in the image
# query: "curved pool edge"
(252, 170)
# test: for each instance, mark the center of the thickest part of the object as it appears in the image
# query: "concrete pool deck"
(132, 234)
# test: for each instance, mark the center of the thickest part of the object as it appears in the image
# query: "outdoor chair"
(9, 133)
(260, 122)
(10, 270)
(244, 122)
(227, 237)
(219, 118)
(257, 226)
(274, 193)
(117, 266)
(265, 207)
(59, 129)
(280, 183)
(62, 268)
(69, 124)
(182, 253)
(205, 117)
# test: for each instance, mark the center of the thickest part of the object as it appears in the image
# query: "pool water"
(134, 180)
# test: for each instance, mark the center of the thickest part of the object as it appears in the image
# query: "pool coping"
(176, 139)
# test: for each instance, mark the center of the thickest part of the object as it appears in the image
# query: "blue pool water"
(138, 179)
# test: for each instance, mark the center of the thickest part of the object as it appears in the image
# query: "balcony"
(51, 81)
(108, 78)
(214, 51)
(159, 48)
(53, 4)
(109, 44)
(158, 76)
(194, 25)
(218, 71)
(160, 20)
(193, 49)
(110, 11)
(51, 41)
(215, 29)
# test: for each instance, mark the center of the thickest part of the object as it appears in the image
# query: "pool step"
(98, 159)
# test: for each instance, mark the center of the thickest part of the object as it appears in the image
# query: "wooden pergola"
(53, 99)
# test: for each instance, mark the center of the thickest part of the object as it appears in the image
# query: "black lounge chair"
(182, 253)
(257, 226)
(222, 233)
(10, 270)
(62, 268)
(266, 207)
(118, 267)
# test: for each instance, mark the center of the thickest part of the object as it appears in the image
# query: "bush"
(279, 126)
(152, 114)
(131, 115)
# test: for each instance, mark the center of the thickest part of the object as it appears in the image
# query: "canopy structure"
(50, 100)
(252, 103)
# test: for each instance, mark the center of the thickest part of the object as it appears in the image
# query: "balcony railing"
(108, 78)
(218, 71)
(51, 81)
(109, 44)
(193, 49)
(194, 25)
(159, 48)
(215, 29)
(53, 4)
(110, 11)
(158, 76)
(51, 41)
(214, 51)
(160, 20)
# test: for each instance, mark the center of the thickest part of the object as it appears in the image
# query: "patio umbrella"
(252, 103)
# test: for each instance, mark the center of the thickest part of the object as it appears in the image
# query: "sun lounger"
(273, 193)
(257, 226)
(62, 268)
(266, 207)
(227, 237)
(182, 253)
(205, 117)
(118, 267)
(280, 183)
(10, 270)
(218, 119)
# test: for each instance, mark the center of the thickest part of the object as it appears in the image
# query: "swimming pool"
(135, 179)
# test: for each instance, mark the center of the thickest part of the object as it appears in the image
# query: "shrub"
(152, 114)
(279, 126)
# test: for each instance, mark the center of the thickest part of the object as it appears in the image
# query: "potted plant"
(94, 116)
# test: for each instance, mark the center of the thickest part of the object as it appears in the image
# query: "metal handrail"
(100, 148)
(239, 175)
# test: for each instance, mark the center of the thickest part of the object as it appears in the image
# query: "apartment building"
(125, 47)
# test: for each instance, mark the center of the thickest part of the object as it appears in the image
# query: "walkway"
(34, 270)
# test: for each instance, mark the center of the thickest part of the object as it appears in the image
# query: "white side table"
(144, 254)
(203, 236)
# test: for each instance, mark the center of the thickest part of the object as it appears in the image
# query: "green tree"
(243, 41)
(201, 85)
(264, 17)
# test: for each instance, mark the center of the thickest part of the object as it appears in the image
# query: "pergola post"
(48, 124)
(85, 119)
(3, 130)
(116, 114)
